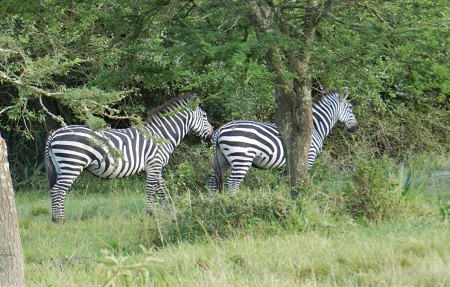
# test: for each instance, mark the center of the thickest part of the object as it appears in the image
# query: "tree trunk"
(293, 116)
(293, 96)
(11, 256)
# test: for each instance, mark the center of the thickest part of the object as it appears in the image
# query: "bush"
(377, 190)
(373, 192)
(124, 271)
(224, 215)
(189, 167)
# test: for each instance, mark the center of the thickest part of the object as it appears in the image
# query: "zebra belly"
(257, 158)
(267, 162)
(111, 168)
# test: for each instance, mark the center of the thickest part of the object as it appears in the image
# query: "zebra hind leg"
(161, 191)
(214, 183)
(58, 195)
(237, 175)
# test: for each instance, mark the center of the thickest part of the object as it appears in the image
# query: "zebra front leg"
(155, 185)
(316, 145)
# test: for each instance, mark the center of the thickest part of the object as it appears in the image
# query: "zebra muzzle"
(353, 128)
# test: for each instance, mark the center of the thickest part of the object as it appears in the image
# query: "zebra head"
(199, 123)
(346, 114)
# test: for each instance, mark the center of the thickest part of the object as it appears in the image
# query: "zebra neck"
(323, 121)
(167, 131)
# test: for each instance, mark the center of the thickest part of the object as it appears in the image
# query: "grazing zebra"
(241, 144)
(117, 153)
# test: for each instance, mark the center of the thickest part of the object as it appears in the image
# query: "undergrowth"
(375, 191)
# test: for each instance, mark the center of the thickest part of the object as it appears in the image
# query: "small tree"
(11, 256)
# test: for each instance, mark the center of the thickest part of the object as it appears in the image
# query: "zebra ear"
(192, 97)
(346, 94)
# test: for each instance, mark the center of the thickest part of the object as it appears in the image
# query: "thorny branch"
(110, 112)
(17, 82)
(56, 118)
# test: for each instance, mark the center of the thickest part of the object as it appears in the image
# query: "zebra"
(240, 144)
(118, 153)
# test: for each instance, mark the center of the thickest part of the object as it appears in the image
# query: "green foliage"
(249, 237)
(39, 210)
(122, 271)
(189, 168)
(401, 94)
(224, 215)
(408, 188)
(114, 59)
(373, 192)
(412, 35)
(444, 208)
(377, 190)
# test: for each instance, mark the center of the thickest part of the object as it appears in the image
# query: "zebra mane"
(174, 105)
(324, 95)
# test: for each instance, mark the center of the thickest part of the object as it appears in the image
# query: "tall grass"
(372, 256)
(256, 237)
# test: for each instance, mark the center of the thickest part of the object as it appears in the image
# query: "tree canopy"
(71, 61)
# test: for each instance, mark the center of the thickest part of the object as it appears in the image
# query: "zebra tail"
(49, 167)
(217, 168)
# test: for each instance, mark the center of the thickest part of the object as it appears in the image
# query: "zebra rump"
(239, 145)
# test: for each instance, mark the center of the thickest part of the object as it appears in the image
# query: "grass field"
(109, 239)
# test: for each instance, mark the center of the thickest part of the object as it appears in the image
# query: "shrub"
(444, 209)
(373, 192)
(223, 215)
(189, 168)
(124, 271)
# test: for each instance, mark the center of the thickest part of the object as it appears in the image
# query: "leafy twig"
(56, 118)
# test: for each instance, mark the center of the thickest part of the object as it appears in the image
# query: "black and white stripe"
(118, 153)
(238, 145)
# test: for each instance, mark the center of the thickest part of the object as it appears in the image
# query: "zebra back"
(177, 117)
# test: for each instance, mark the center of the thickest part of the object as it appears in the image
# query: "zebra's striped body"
(118, 153)
(238, 145)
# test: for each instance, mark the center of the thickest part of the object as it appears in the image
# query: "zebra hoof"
(294, 194)
(57, 219)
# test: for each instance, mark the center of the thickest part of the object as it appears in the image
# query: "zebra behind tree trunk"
(238, 145)
(118, 153)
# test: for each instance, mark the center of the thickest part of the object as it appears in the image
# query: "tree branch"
(7, 51)
(17, 82)
(56, 118)
(375, 13)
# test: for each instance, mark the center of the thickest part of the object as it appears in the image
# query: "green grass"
(257, 237)
(383, 256)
